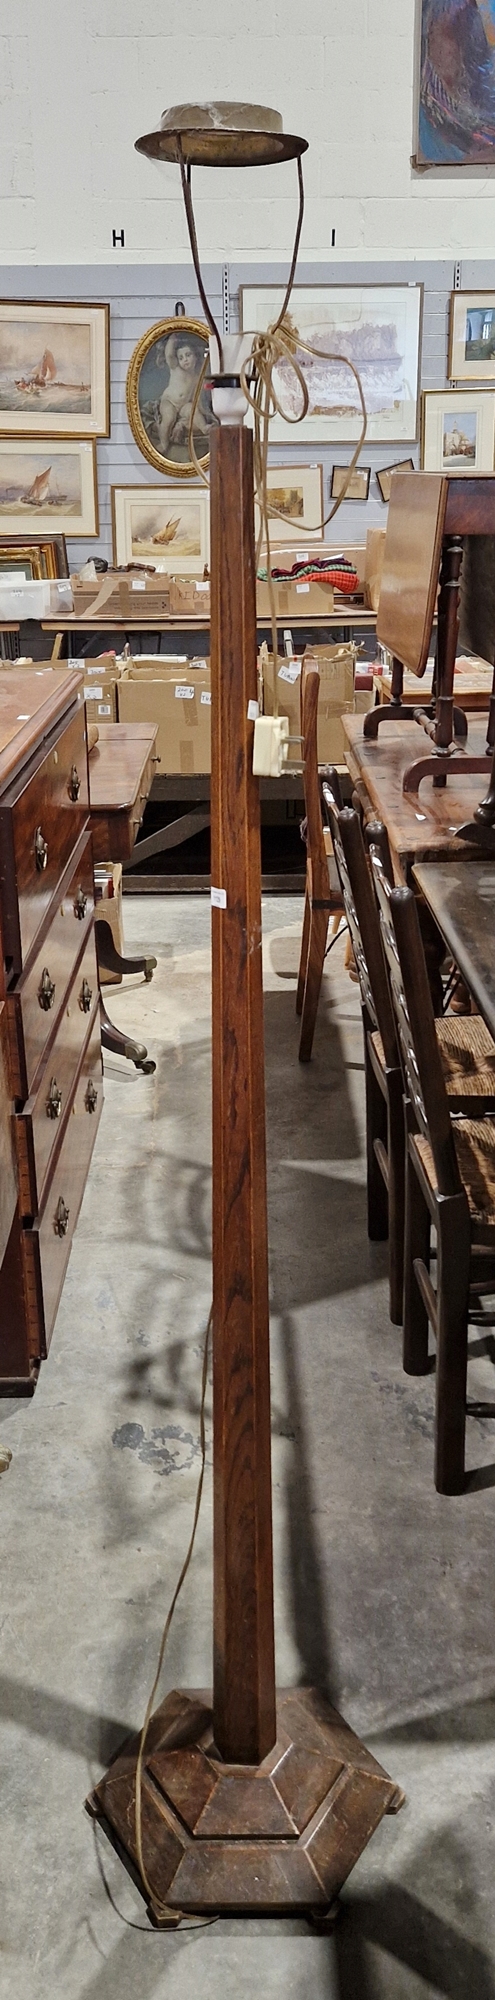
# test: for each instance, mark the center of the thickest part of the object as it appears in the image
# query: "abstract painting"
(48, 483)
(376, 327)
(162, 526)
(54, 375)
(456, 124)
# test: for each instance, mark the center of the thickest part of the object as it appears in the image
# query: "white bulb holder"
(228, 401)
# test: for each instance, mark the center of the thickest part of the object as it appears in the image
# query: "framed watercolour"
(54, 369)
(384, 476)
(34, 558)
(48, 485)
(458, 430)
(472, 337)
(161, 385)
(297, 493)
(456, 95)
(359, 483)
(162, 525)
(377, 327)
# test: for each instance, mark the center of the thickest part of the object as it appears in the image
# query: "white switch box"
(271, 743)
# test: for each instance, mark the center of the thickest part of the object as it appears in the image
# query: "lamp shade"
(222, 135)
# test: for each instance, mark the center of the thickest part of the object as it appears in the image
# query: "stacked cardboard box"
(336, 698)
(177, 696)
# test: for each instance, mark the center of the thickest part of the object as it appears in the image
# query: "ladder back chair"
(450, 1184)
(320, 897)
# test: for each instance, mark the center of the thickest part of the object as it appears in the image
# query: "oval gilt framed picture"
(161, 385)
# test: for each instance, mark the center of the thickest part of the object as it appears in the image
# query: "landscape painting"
(48, 483)
(456, 124)
(458, 430)
(472, 337)
(53, 369)
(295, 504)
(161, 526)
(375, 327)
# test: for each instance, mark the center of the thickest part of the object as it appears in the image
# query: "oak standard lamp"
(249, 1801)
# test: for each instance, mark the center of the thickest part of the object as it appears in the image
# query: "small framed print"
(165, 525)
(472, 337)
(54, 369)
(458, 430)
(359, 483)
(48, 484)
(384, 476)
(295, 493)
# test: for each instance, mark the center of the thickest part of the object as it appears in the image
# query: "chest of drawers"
(49, 1018)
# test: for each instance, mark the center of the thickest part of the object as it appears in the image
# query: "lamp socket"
(270, 747)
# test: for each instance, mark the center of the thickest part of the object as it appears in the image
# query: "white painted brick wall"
(80, 79)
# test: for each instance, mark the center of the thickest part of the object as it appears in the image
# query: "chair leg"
(453, 1265)
(314, 973)
(396, 1198)
(303, 962)
(416, 1244)
(376, 1128)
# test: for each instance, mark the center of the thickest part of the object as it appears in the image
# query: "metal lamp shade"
(222, 135)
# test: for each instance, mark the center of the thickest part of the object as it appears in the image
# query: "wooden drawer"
(47, 1245)
(8, 1177)
(40, 821)
(33, 1009)
(37, 1127)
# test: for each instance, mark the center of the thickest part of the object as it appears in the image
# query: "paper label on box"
(300, 587)
(218, 897)
(253, 709)
(93, 694)
(104, 708)
(291, 672)
(184, 694)
(206, 698)
(140, 585)
(202, 586)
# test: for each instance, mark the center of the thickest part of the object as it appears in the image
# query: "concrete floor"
(384, 1591)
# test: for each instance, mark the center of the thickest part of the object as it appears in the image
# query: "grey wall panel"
(139, 294)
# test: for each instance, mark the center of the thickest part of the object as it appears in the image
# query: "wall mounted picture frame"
(458, 430)
(472, 337)
(163, 525)
(359, 483)
(297, 493)
(384, 475)
(161, 384)
(34, 557)
(456, 84)
(48, 483)
(377, 327)
(54, 369)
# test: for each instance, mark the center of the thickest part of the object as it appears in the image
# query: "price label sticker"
(253, 709)
(202, 586)
(93, 693)
(140, 585)
(104, 708)
(300, 587)
(184, 694)
(218, 898)
(291, 672)
(206, 698)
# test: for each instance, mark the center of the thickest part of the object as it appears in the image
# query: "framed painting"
(162, 525)
(377, 327)
(359, 483)
(472, 337)
(384, 475)
(458, 432)
(296, 491)
(34, 558)
(161, 385)
(456, 92)
(49, 484)
(54, 369)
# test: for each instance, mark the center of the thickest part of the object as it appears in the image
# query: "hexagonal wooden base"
(278, 1837)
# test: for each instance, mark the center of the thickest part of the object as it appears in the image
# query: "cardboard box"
(375, 553)
(189, 597)
(294, 600)
(180, 702)
(100, 678)
(149, 596)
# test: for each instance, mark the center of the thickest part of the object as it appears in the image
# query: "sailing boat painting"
(48, 481)
(53, 369)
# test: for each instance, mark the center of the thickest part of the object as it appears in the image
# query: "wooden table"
(121, 771)
(421, 826)
(462, 901)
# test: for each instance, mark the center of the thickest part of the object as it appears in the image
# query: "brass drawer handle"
(91, 1098)
(40, 849)
(85, 997)
(80, 905)
(61, 1218)
(74, 785)
(54, 1100)
(46, 990)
